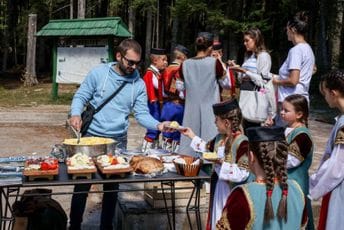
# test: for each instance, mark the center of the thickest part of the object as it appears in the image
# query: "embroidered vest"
(300, 173)
(256, 196)
(231, 156)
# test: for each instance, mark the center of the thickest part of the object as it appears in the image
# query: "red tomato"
(114, 161)
(44, 166)
(52, 166)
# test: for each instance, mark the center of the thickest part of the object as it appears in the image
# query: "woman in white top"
(295, 73)
(254, 75)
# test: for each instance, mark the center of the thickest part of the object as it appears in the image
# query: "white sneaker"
(175, 146)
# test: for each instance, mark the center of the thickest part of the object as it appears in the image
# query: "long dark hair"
(258, 38)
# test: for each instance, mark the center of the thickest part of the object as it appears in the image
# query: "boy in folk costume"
(173, 109)
(155, 93)
(327, 181)
(272, 201)
(231, 147)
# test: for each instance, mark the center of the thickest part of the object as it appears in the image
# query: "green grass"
(35, 95)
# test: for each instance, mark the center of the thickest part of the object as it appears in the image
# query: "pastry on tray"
(146, 164)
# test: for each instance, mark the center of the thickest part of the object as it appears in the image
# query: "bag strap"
(110, 98)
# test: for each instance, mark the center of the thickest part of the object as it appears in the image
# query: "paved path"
(36, 129)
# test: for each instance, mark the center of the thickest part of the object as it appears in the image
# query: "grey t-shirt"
(300, 57)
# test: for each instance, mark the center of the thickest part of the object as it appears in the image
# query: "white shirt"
(300, 57)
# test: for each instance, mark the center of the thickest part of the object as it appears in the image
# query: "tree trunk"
(157, 18)
(148, 35)
(336, 35)
(103, 8)
(131, 19)
(174, 32)
(323, 62)
(81, 8)
(71, 9)
(30, 78)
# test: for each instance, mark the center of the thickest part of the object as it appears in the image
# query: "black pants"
(79, 202)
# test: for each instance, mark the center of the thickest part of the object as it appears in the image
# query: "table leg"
(173, 205)
(6, 212)
(196, 207)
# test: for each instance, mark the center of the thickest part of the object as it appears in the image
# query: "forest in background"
(164, 23)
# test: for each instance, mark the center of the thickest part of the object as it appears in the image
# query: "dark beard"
(125, 71)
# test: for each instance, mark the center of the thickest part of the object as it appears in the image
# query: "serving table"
(166, 180)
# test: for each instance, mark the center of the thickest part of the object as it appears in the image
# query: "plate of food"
(80, 165)
(41, 167)
(210, 156)
(112, 165)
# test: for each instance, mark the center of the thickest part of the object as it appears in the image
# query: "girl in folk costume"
(327, 182)
(155, 94)
(300, 151)
(272, 201)
(231, 147)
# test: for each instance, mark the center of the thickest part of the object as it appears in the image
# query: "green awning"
(86, 27)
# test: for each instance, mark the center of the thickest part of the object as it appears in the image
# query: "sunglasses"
(131, 62)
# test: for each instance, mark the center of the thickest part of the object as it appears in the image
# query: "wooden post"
(81, 8)
(131, 21)
(30, 77)
(71, 9)
(55, 86)
(111, 49)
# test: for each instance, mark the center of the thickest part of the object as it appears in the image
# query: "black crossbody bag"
(87, 115)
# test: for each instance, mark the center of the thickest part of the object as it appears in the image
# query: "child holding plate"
(231, 147)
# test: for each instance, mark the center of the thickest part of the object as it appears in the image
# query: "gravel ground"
(28, 130)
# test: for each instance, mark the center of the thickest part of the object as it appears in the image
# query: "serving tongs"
(77, 133)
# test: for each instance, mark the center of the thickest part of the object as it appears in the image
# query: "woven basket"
(188, 169)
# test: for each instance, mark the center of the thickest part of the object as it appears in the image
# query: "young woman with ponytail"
(272, 201)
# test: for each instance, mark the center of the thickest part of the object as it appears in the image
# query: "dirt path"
(27, 130)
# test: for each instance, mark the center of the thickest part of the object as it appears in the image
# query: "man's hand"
(75, 122)
(164, 127)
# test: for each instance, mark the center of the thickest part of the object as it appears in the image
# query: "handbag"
(89, 112)
(257, 104)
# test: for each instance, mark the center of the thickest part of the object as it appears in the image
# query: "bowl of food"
(91, 146)
(188, 166)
